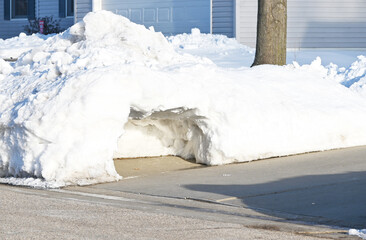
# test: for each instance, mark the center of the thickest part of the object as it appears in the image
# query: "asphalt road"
(309, 196)
(42, 214)
(324, 187)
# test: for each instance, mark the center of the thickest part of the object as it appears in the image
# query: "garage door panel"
(136, 15)
(167, 16)
(164, 15)
(123, 12)
(181, 14)
(149, 15)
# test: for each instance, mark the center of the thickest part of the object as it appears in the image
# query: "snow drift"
(110, 88)
(16, 46)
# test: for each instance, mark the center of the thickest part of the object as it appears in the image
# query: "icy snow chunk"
(5, 67)
(359, 233)
(107, 29)
(354, 77)
(356, 70)
(16, 46)
(218, 48)
(29, 182)
(201, 40)
(195, 32)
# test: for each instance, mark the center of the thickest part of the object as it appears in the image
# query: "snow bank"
(359, 233)
(198, 40)
(355, 76)
(12, 48)
(223, 51)
(108, 87)
(5, 69)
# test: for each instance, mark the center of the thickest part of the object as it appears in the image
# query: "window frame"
(67, 13)
(12, 11)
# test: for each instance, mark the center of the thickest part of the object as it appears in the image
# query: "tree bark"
(271, 32)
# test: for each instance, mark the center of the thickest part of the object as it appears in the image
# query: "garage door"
(168, 16)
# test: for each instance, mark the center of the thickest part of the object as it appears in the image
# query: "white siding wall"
(10, 28)
(82, 8)
(223, 17)
(50, 8)
(43, 8)
(246, 21)
(312, 23)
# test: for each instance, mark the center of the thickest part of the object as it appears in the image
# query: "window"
(19, 8)
(66, 8)
(69, 8)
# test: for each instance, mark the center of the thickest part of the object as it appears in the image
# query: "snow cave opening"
(177, 132)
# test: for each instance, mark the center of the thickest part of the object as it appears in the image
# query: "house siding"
(312, 23)
(223, 12)
(246, 21)
(44, 8)
(10, 28)
(82, 8)
(50, 8)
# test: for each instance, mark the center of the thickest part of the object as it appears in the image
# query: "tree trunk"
(271, 32)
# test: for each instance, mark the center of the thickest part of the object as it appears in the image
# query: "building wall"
(311, 23)
(223, 12)
(10, 28)
(44, 8)
(82, 8)
(50, 8)
(246, 21)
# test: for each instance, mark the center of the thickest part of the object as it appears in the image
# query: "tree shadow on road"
(334, 199)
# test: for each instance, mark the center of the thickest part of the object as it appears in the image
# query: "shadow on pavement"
(335, 199)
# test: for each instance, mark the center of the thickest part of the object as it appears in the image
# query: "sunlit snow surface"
(13, 48)
(110, 88)
(360, 233)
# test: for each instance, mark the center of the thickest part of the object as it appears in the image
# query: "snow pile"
(12, 48)
(5, 69)
(355, 76)
(110, 88)
(359, 233)
(223, 51)
(198, 40)
(65, 104)
(30, 182)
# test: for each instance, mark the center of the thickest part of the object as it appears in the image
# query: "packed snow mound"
(59, 98)
(198, 40)
(138, 43)
(12, 48)
(5, 69)
(108, 88)
(355, 76)
(360, 233)
(218, 48)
